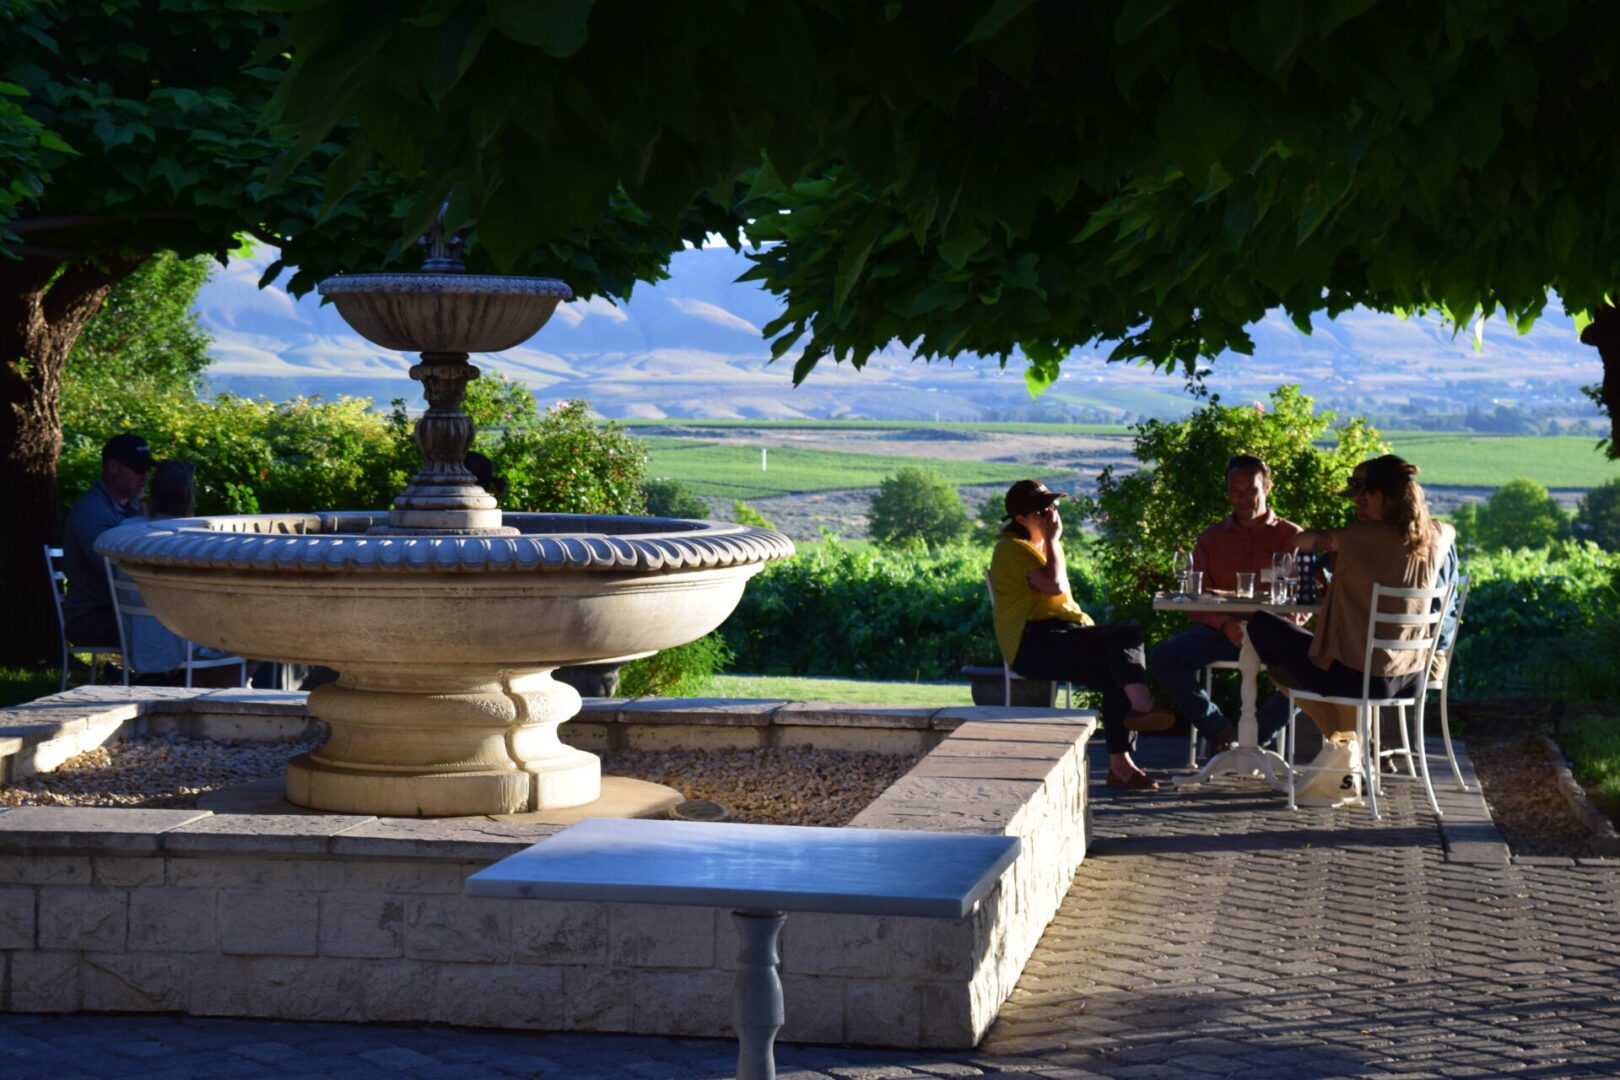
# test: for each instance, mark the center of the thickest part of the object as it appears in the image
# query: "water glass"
(1192, 583)
(1245, 584)
(1281, 589)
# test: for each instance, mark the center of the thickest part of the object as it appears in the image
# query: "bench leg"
(756, 995)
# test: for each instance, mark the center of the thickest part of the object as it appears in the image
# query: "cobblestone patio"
(1209, 934)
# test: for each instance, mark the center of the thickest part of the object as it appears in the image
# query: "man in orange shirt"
(1245, 541)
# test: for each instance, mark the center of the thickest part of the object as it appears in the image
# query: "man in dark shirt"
(87, 609)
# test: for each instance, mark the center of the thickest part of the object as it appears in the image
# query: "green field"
(989, 427)
(1464, 460)
(1447, 459)
(730, 471)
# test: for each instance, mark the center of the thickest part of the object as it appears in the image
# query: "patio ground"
(1209, 934)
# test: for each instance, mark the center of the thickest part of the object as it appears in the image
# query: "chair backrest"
(1425, 621)
(127, 603)
(53, 568)
(1462, 602)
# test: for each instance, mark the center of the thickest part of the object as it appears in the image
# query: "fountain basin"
(444, 705)
(445, 313)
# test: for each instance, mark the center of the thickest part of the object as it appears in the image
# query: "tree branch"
(79, 221)
(79, 285)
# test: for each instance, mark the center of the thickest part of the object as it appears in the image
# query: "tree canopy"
(1016, 174)
(133, 127)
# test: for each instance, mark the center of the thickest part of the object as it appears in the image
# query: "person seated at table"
(1243, 542)
(156, 653)
(1044, 635)
(1394, 543)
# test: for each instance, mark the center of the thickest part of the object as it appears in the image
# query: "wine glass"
(1282, 576)
(1180, 563)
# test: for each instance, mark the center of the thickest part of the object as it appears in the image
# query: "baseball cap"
(130, 451)
(1030, 497)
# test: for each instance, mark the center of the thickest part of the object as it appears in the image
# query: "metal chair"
(1008, 675)
(1427, 623)
(1441, 684)
(58, 579)
(127, 604)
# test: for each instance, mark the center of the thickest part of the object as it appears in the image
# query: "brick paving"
(1209, 934)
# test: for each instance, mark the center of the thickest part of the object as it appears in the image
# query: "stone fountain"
(444, 617)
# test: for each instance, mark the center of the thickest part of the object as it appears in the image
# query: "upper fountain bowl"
(445, 313)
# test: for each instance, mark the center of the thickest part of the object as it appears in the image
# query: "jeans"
(1285, 650)
(1176, 663)
(1105, 658)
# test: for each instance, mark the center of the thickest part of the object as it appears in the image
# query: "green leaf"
(556, 26)
(1138, 15)
(1001, 12)
(1039, 376)
(858, 250)
(961, 245)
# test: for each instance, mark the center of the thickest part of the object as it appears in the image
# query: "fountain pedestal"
(415, 743)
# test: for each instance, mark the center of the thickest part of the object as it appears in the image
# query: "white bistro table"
(762, 872)
(1248, 757)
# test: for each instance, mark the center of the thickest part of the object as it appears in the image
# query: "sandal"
(1136, 781)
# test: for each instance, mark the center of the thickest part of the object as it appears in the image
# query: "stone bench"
(764, 872)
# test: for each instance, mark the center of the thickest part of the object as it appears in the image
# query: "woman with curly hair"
(1395, 543)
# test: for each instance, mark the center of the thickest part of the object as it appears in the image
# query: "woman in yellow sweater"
(1044, 634)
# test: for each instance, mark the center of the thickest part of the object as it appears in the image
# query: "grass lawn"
(1592, 744)
(850, 691)
(18, 685)
(726, 470)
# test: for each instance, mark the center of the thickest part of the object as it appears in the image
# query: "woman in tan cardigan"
(1394, 543)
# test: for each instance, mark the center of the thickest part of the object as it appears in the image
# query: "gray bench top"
(760, 867)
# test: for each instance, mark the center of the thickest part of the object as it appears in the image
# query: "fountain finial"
(443, 252)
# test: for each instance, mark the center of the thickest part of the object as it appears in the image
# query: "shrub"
(919, 503)
(684, 671)
(912, 612)
(1534, 620)
(564, 462)
(1180, 489)
(988, 522)
(1598, 517)
(253, 456)
(672, 499)
(743, 514)
(1519, 514)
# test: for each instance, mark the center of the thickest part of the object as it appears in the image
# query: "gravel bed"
(159, 771)
(1523, 795)
(778, 787)
(770, 787)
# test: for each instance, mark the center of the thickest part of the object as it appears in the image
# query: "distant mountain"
(691, 347)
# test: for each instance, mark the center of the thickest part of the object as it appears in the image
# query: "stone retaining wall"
(333, 917)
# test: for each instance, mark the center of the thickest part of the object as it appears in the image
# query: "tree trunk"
(1604, 335)
(41, 317)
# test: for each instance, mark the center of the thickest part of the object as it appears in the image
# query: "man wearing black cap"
(87, 610)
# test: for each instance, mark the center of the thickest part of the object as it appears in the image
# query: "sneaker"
(1332, 779)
